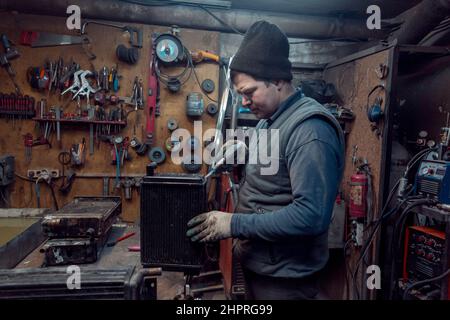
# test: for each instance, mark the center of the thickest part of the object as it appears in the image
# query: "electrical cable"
(31, 196)
(117, 166)
(416, 158)
(38, 193)
(397, 236)
(371, 237)
(409, 165)
(23, 177)
(181, 77)
(55, 202)
(220, 20)
(198, 81)
(422, 282)
(347, 267)
(203, 7)
(165, 78)
(4, 198)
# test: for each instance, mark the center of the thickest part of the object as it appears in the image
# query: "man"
(281, 221)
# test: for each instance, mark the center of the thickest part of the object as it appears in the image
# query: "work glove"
(210, 226)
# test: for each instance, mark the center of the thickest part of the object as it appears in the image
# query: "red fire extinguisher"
(358, 195)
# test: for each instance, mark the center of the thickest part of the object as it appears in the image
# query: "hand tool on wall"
(152, 108)
(38, 78)
(68, 176)
(76, 85)
(106, 186)
(85, 89)
(152, 102)
(104, 79)
(64, 160)
(128, 55)
(5, 58)
(58, 112)
(78, 153)
(13, 105)
(29, 143)
(116, 156)
(202, 55)
(137, 95)
(127, 184)
(68, 72)
(47, 39)
(114, 82)
(91, 116)
(53, 75)
(135, 33)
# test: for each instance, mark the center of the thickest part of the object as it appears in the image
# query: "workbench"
(169, 284)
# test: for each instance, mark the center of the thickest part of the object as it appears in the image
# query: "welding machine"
(433, 180)
(424, 257)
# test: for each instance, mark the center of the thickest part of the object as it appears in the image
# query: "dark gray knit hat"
(264, 53)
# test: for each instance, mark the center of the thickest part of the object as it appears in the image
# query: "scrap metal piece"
(83, 217)
(69, 251)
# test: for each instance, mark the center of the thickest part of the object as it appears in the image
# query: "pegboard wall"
(104, 41)
(354, 80)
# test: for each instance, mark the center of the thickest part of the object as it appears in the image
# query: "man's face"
(262, 99)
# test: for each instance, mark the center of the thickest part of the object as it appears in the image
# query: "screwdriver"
(111, 244)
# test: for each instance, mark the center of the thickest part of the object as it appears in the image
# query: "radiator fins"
(167, 203)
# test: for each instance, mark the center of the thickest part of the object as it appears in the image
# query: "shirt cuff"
(235, 225)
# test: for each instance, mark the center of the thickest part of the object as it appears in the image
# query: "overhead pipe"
(300, 26)
(420, 20)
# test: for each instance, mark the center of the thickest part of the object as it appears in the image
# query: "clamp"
(85, 89)
(76, 83)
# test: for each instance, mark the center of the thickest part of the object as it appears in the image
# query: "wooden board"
(353, 81)
(105, 41)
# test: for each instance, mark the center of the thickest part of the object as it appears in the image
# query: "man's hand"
(210, 226)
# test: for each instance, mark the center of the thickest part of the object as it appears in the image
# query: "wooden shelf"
(82, 121)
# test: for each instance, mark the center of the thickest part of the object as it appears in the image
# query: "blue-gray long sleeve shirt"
(313, 156)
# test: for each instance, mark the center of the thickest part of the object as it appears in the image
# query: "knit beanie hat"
(264, 53)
